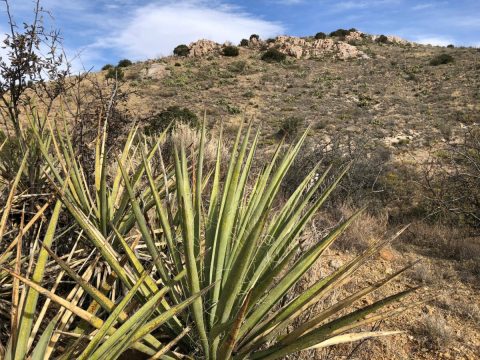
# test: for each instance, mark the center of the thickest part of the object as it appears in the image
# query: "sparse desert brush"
(254, 37)
(107, 67)
(438, 332)
(244, 42)
(273, 55)
(290, 127)
(230, 51)
(320, 35)
(364, 231)
(181, 50)
(183, 262)
(382, 39)
(124, 63)
(442, 59)
(115, 73)
(157, 123)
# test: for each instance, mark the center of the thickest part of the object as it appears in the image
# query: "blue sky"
(104, 31)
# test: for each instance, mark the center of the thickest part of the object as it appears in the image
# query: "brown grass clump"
(363, 231)
(437, 331)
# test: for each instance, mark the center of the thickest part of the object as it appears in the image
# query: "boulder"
(203, 47)
(354, 36)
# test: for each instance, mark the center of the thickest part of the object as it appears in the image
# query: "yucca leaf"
(26, 323)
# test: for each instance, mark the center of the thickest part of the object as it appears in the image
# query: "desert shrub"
(340, 33)
(382, 39)
(230, 51)
(442, 59)
(450, 46)
(254, 37)
(107, 67)
(171, 116)
(115, 73)
(244, 42)
(364, 231)
(238, 67)
(270, 41)
(320, 35)
(439, 334)
(181, 50)
(273, 55)
(124, 63)
(452, 181)
(290, 127)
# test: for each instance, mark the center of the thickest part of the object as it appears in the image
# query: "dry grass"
(437, 331)
(364, 230)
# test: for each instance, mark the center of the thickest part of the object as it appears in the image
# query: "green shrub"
(172, 115)
(238, 67)
(124, 63)
(181, 50)
(273, 55)
(290, 127)
(270, 41)
(320, 35)
(382, 39)
(231, 51)
(254, 36)
(244, 42)
(450, 46)
(442, 59)
(340, 33)
(107, 67)
(115, 73)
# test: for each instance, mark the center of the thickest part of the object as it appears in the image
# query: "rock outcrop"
(203, 47)
(302, 48)
(299, 48)
(393, 39)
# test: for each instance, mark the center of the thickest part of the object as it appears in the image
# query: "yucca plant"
(219, 254)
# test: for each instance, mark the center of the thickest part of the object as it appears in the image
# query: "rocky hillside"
(385, 89)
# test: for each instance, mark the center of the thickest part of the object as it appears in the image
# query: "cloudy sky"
(104, 31)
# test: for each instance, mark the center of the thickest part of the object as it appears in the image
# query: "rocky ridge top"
(303, 47)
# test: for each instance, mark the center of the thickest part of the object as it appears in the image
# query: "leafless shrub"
(439, 334)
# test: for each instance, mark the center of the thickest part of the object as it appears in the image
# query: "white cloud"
(289, 2)
(363, 4)
(435, 40)
(156, 29)
(423, 6)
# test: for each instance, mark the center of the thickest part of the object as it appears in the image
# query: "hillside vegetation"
(289, 198)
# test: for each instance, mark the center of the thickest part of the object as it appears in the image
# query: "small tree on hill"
(124, 63)
(181, 50)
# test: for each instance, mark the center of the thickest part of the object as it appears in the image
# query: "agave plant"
(220, 254)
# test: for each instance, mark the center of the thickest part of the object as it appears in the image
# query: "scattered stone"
(335, 264)
(387, 255)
